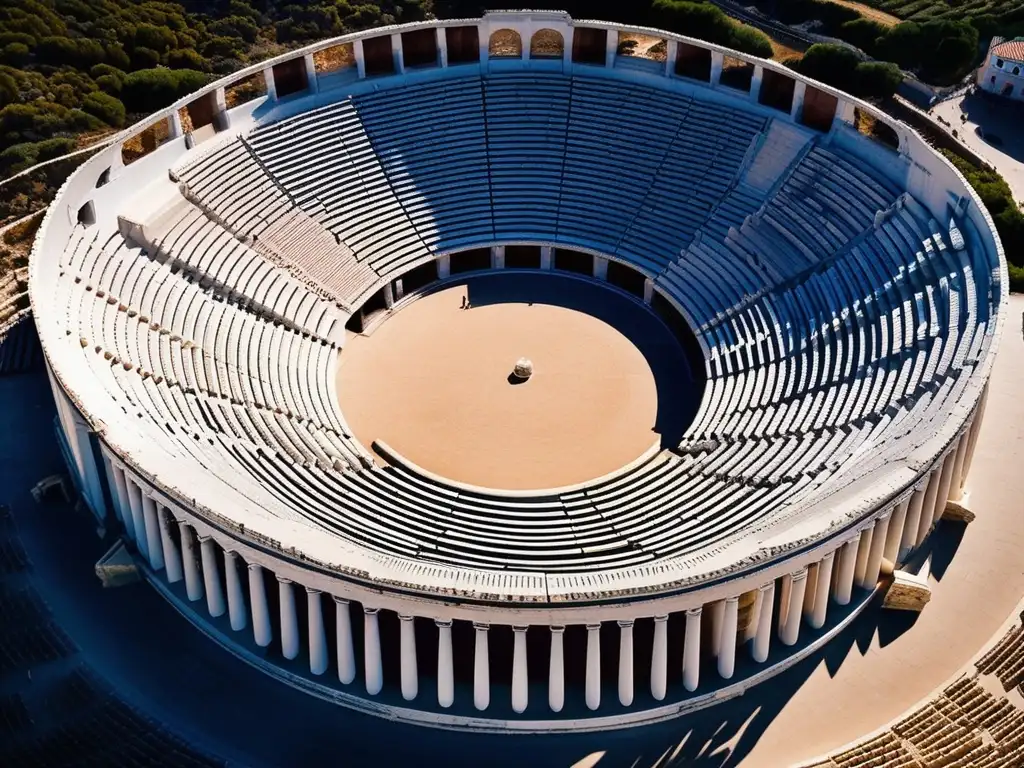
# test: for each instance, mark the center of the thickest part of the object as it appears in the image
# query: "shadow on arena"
(158, 690)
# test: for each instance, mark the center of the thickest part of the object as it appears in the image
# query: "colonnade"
(744, 623)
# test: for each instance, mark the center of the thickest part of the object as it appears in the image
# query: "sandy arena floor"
(432, 382)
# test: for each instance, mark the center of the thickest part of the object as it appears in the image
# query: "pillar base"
(958, 510)
(908, 592)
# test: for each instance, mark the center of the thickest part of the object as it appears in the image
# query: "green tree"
(151, 89)
(15, 54)
(877, 79)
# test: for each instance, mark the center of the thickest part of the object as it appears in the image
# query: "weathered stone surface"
(958, 510)
(908, 592)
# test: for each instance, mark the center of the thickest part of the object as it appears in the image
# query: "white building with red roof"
(1003, 71)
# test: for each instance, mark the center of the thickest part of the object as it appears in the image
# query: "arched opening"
(87, 214)
(245, 90)
(419, 48)
(637, 46)
(463, 45)
(104, 178)
(589, 45)
(547, 44)
(505, 44)
(378, 56)
(290, 77)
(1007, 89)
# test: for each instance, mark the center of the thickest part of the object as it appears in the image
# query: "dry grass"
(883, 18)
(245, 90)
(782, 52)
(547, 43)
(643, 46)
(334, 58)
(505, 42)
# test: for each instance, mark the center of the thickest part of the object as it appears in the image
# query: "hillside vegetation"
(73, 70)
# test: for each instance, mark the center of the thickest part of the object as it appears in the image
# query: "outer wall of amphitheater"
(498, 649)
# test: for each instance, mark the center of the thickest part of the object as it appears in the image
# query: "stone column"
(123, 502)
(945, 480)
(791, 609)
(556, 675)
(671, 52)
(847, 566)
(398, 53)
(484, 36)
(520, 678)
(289, 619)
(172, 557)
(547, 257)
(863, 549)
(799, 90)
(763, 638)
(311, 81)
(717, 62)
(372, 666)
(820, 608)
(894, 535)
(593, 686)
(754, 623)
(346, 650)
(481, 669)
(410, 673)
(360, 57)
(972, 443)
(138, 518)
(648, 290)
(108, 468)
(956, 490)
(874, 565)
(600, 268)
(659, 658)
(317, 635)
(268, 78)
(812, 587)
(211, 577)
(717, 616)
(611, 47)
(193, 582)
(174, 126)
(626, 662)
(262, 631)
(928, 509)
(442, 45)
(155, 548)
(755, 83)
(236, 596)
(913, 522)
(727, 652)
(498, 257)
(444, 266)
(445, 668)
(691, 649)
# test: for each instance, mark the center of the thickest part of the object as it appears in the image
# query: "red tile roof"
(1012, 49)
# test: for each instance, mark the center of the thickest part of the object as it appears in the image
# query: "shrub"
(105, 107)
(151, 89)
(877, 79)
(186, 58)
(752, 41)
(15, 54)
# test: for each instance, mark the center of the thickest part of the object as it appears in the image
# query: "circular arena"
(284, 339)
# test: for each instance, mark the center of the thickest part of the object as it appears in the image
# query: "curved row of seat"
(843, 322)
(965, 726)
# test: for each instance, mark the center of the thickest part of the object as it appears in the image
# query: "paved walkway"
(1003, 144)
(883, 665)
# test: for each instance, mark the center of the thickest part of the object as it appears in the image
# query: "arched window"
(1016, 70)
(505, 43)
(547, 44)
(999, 63)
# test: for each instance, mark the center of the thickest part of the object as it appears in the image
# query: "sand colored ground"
(432, 383)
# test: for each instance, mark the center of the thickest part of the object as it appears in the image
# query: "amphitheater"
(761, 318)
